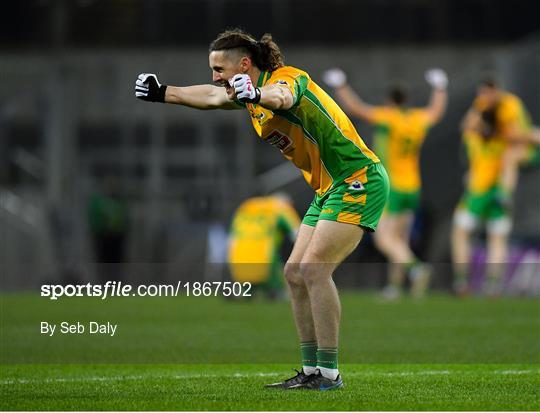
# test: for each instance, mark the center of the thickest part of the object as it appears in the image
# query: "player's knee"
(464, 222)
(292, 274)
(314, 272)
(499, 227)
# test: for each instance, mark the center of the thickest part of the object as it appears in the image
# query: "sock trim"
(308, 350)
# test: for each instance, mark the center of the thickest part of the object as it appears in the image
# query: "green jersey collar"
(263, 78)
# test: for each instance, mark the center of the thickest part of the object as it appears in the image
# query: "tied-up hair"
(264, 53)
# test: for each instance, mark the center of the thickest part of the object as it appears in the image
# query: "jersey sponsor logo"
(327, 211)
(356, 186)
(281, 82)
(279, 140)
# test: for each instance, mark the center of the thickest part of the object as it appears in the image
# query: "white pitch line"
(510, 372)
(126, 378)
(256, 374)
(410, 373)
(71, 379)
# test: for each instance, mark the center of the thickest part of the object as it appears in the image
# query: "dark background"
(162, 23)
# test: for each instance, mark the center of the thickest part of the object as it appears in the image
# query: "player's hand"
(436, 78)
(147, 87)
(230, 91)
(244, 89)
(335, 78)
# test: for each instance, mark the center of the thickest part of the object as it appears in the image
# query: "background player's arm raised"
(352, 103)
(438, 80)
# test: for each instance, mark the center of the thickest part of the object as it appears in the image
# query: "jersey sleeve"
(468, 136)
(509, 114)
(295, 80)
(380, 115)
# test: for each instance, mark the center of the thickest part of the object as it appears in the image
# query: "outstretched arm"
(352, 103)
(200, 97)
(147, 87)
(515, 133)
(436, 107)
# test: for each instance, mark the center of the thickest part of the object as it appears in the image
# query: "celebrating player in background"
(257, 232)
(499, 138)
(481, 202)
(292, 113)
(513, 124)
(398, 140)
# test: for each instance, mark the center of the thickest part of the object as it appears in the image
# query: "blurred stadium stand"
(136, 23)
(68, 116)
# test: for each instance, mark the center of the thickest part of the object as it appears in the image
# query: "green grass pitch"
(208, 354)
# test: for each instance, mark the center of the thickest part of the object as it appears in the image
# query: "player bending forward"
(292, 113)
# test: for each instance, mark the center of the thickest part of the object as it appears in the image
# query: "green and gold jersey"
(510, 112)
(266, 217)
(511, 116)
(314, 134)
(485, 161)
(257, 231)
(399, 137)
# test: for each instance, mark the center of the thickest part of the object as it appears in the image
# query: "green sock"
(327, 358)
(309, 353)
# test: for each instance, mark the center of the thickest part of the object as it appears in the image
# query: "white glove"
(147, 87)
(335, 77)
(244, 89)
(437, 78)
